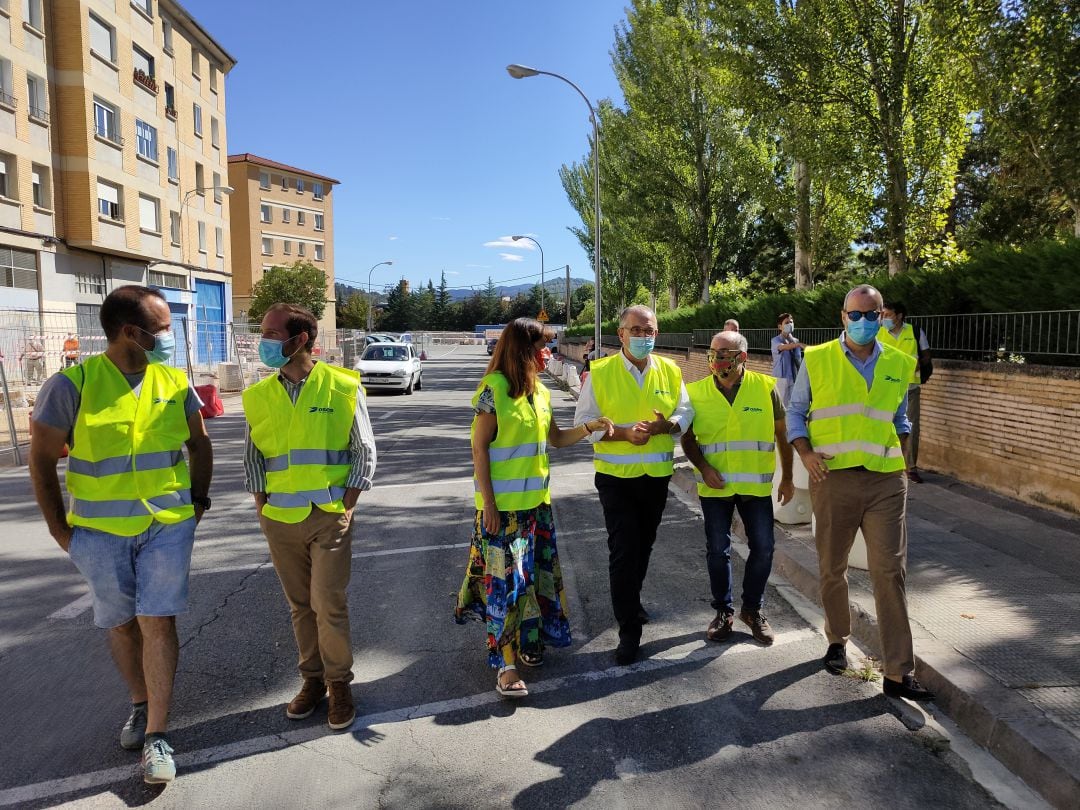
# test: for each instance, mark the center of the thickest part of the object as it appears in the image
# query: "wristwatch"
(204, 502)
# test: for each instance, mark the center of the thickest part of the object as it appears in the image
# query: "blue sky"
(409, 105)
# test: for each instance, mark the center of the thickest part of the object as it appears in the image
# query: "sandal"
(531, 659)
(510, 691)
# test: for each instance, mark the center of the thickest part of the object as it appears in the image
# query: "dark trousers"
(633, 508)
(757, 517)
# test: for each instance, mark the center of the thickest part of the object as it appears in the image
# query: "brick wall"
(1012, 429)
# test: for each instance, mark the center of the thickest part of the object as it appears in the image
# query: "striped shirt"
(361, 447)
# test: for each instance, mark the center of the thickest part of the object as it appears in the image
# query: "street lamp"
(371, 298)
(516, 238)
(523, 72)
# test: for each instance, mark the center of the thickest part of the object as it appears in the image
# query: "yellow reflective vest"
(518, 454)
(849, 423)
(624, 402)
(737, 439)
(126, 467)
(905, 342)
(306, 445)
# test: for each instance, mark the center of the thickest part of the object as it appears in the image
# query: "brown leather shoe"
(341, 713)
(306, 699)
(759, 626)
(913, 476)
(720, 627)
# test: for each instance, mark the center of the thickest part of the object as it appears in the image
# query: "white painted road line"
(386, 415)
(73, 609)
(41, 791)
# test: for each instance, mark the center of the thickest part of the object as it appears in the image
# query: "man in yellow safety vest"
(310, 453)
(126, 416)
(738, 424)
(911, 340)
(643, 394)
(848, 422)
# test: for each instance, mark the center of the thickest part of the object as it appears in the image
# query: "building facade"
(113, 159)
(280, 215)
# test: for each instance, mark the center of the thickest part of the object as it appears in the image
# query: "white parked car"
(390, 366)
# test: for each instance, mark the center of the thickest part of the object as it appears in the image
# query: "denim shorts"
(144, 575)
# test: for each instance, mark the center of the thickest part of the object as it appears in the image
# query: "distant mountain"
(552, 286)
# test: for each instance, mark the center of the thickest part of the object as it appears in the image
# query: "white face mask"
(789, 328)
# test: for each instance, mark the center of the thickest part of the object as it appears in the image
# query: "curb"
(1015, 731)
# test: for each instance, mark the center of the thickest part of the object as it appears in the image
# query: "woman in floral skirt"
(513, 579)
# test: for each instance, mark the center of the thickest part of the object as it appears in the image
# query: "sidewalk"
(994, 599)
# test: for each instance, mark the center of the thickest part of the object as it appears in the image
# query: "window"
(286, 247)
(146, 140)
(174, 163)
(196, 111)
(174, 227)
(149, 216)
(174, 280)
(35, 97)
(300, 184)
(18, 268)
(284, 183)
(200, 178)
(144, 5)
(264, 180)
(142, 61)
(90, 284)
(213, 77)
(317, 190)
(202, 237)
(106, 122)
(214, 133)
(217, 187)
(109, 201)
(264, 213)
(196, 66)
(40, 177)
(301, 249)
(102, 38)
(219, 241)
(5, 83)
(318, 222)
(32, 13)
(267, 246)
(166, 35)
(285, 214)
(301, 217)
(8, 186)
(318, 253)
(170, 100)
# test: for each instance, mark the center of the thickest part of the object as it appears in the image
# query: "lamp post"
(516, 238)
(371, 298)
(523, 72)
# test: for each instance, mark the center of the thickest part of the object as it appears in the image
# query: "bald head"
(863, 297)
(728, 342)
(636, 312)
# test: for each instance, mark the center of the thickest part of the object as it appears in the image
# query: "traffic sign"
(543, 316)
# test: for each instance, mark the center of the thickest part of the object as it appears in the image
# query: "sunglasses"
(855, 315)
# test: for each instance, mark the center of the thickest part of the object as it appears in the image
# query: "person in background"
(513, 580)
(33, 360)
(644, 395)
(135, 502)
(731, 325)
(590, 344)
(71, 350)
(787, 354)
(910, 339)
(738, 422)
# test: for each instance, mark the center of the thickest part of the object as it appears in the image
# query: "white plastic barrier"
(555, 367)
(798, 509)
(571, 376)
(857, 555)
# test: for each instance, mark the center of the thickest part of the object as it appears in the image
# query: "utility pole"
(567, 319)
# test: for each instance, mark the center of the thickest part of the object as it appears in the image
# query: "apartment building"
(280, 215)
(113, 162)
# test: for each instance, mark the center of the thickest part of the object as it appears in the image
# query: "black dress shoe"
(626, 653)
(642, 615)
(835, 659)
(909, 688)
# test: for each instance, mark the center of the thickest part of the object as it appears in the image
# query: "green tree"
(301, 283)
(352, 311)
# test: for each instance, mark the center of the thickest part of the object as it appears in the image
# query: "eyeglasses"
(641, 331)
(854, 315)
(711, 355)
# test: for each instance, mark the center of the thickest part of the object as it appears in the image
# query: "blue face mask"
(887, 324)
(641, 346)
(271, 354)
(164, 344)
(862, 331)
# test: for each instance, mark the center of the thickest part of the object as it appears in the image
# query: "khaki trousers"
(313, 560)
(844, 502)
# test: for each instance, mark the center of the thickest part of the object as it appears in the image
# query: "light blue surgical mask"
(271, 354)
(640, 347)
(164, 345)
(887, 324)
(862, 331)
(789, 328)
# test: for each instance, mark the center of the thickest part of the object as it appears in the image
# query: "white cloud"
(508, 242)
(452, 273)
(392, 238)
(511, 257)
(441, 219)
(480, 266)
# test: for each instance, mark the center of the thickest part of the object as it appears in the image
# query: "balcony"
(143, 78)
(109, 136)
(7, 100)
(170, 113)
(38, 114)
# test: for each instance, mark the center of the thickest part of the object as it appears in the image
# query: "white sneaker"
(157, 761)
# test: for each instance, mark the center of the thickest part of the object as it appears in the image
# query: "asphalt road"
(692, 725)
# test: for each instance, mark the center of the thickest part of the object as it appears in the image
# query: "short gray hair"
(732, 322)
(738, 338)
(634, 308)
